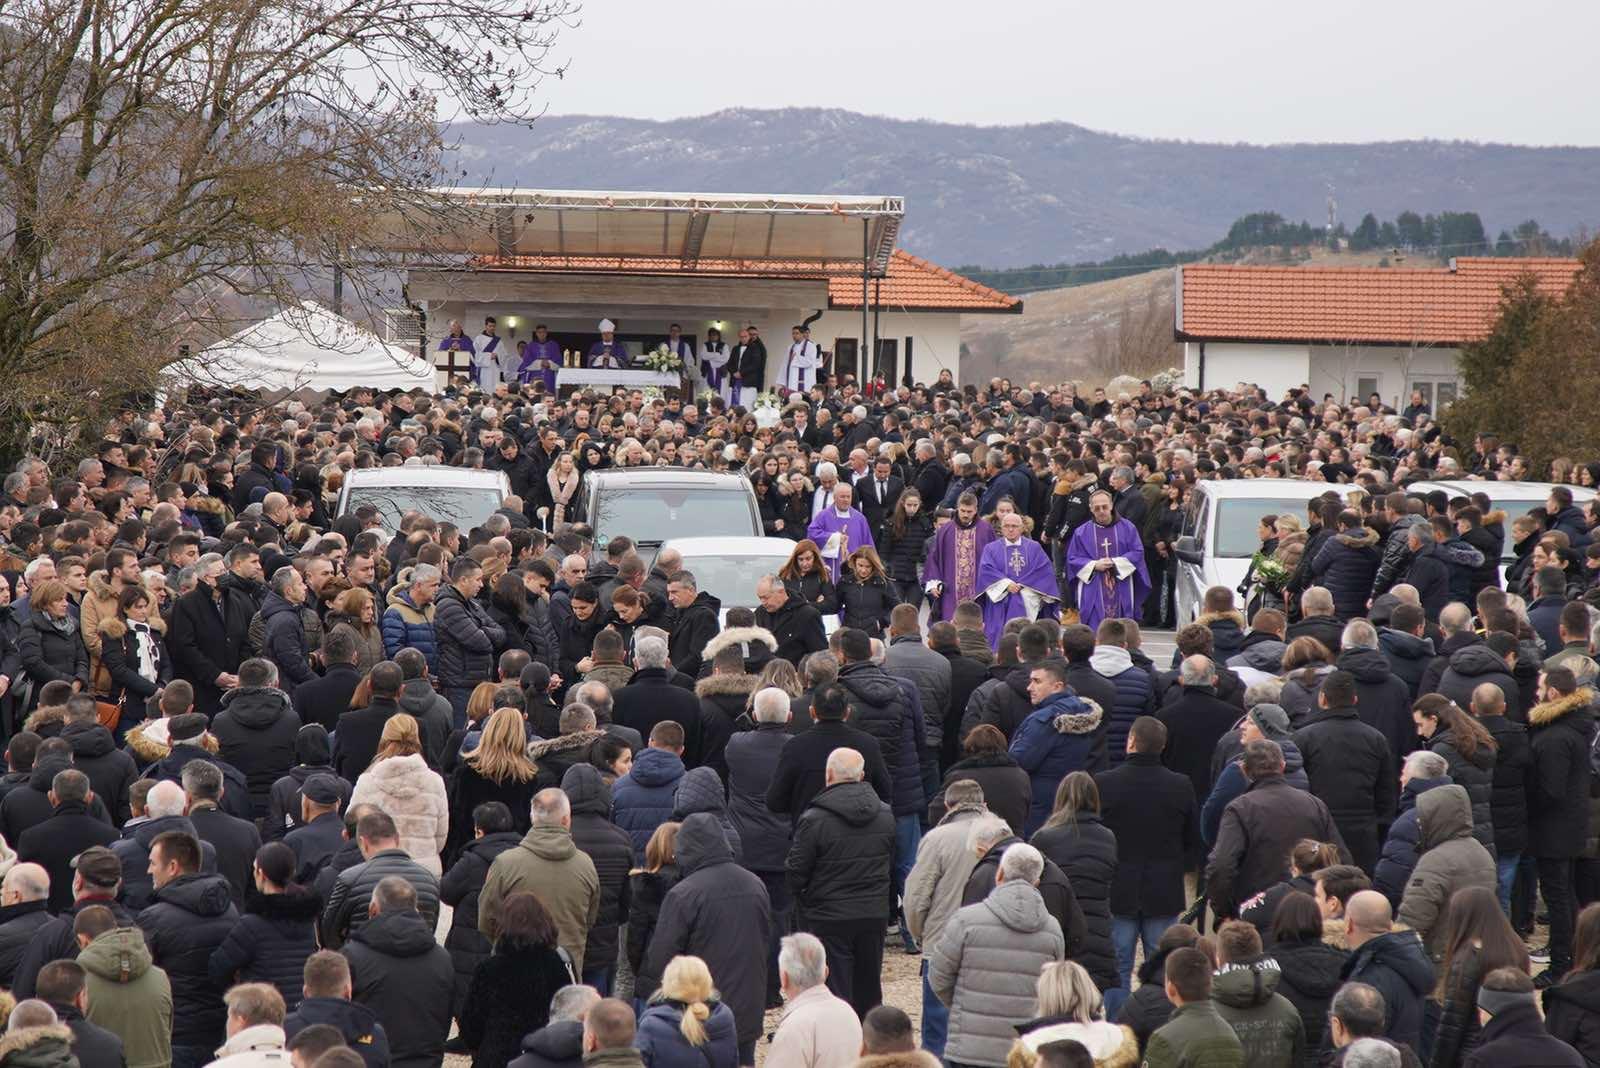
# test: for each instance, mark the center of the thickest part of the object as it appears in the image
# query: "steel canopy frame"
(797, 229)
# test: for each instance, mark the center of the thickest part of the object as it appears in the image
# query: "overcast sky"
(1238, 70)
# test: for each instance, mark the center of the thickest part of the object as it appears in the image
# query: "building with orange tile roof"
(1345, 331)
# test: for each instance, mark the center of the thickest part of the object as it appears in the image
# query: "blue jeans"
(600, 979)
(1127, 932)
(458, 706)
(935, 1018)
(907, 836)
(1505, 872)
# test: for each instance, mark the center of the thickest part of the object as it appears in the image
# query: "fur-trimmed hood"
(150, 747)
(1072, 714)
(27, 1038)
(46, 717)
(740, 685)
(1547, 712)
(562, 743)
(1205, 619)
(738, 636)
(1111, 1045)
(1361, 538)
(116, 627)
(916, 1058)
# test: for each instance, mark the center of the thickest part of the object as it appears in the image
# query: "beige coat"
(413, 795)
(818, 1030)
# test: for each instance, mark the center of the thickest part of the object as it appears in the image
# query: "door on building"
(888, 359)
(846, 357)
(1366, 386)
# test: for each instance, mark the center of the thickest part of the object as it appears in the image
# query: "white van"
(1513, 498)
(1220, 531)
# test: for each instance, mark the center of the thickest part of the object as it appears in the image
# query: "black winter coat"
(133, 850)
(720, 913)
(1258, 832)
(798, 629)
(1308, 975)
(359, 734)
(646, 891)
(1382, 700)
(17, 926)
(358, 1024)
(207, 640)
(1007, 789)
(1517, 1036)
(326, 698)
(866, 605)
(509, 997)
(405, 977)
(1000, 701)
(55, 941)
(1156, 820)
(1060, 900)
(29, 805)
(1408, 657)
(256, 732)
(1477, 776)
(1472, 666)
(611, 850)
(459, 889)
(1572, 1014)
(54, 842)
(966, 675)
(270, 944)
(1194, 723)
(1086, 851)
(1508, 801)
(903, 555)
(1429, 573)
(1326, 629)
(235, 787)
(1559, 732)
(119, 655)
(1352, 770)
(1398, 966)
(802, 766)
(649, 698)
(111, 771)
(879, 707)
(468, 640)
(50, 653)
(349, 892)
(1147, 1009)
(1346, 565)
(696, 626)
(557, 1045)
(236, 841)
(191, 917)
(1448, 647)
(815, 589)
(1457, 1031)
(752, 758)
(283, 800)
(843, 853)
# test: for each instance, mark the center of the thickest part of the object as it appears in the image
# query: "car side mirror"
(1186, 544)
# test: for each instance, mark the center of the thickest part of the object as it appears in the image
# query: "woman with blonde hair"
(647, 889)
(480, 704)
(686, 1025)
(399, 782)
(1070, 1009)
(497, 769)
(563, 479)
(865, 595)
(356, 612)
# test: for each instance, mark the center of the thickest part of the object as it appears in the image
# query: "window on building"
(1365, 387)
(846, 357)
(888, 359)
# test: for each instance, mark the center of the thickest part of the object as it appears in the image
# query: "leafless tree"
(161, 161)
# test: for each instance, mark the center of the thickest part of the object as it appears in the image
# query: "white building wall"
(1225, 364)
(933, 338)
(1351, 371)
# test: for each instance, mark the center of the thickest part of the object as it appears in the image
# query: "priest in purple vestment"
(1016, 579)
(1105, 559)
(541, 359)
(950, 574)
(840, 530)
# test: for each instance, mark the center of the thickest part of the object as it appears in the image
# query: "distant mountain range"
(1007, 196)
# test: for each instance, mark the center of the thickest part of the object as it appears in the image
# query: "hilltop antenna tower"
(1333, 211)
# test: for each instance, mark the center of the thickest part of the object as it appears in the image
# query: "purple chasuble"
(854, 527)
(541, 359)
(953, 561)
(1103, 594)
(1026, 564)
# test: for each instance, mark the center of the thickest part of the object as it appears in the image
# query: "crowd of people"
(256, 750)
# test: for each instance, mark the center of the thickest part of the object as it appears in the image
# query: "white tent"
(306, 347)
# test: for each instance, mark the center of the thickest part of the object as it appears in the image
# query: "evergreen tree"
(1366, 235)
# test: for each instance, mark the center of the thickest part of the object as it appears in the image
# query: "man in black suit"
(210, 633)
(751, 374)
(1130, 503)
(876, 494)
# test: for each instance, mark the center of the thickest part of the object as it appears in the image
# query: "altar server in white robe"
(486, 356)
(805, 356)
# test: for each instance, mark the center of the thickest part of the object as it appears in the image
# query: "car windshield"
(731, 578)
(651, 516)
(1236, 535)
(465, 507)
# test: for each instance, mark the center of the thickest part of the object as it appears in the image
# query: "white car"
(1220, 531)
(728, 568)
(1513, 498)
(460, 495)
